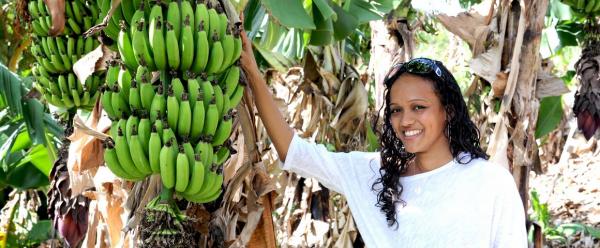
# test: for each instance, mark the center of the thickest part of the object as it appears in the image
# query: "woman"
(430, 186)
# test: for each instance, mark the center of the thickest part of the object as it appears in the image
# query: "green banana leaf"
(289, 13)
(549, 117)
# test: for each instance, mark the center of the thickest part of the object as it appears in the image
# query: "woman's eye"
(396, 110)
(418, 107)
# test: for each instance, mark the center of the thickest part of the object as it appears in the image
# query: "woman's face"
(417, 115)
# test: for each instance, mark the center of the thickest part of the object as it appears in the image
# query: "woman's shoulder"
(485, 170)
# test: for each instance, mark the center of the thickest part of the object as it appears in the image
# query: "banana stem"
(166, 195)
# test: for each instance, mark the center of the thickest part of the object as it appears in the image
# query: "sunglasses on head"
(417, 66)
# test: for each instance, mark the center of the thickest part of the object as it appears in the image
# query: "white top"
(457, 205)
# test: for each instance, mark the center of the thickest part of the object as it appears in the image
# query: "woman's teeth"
(412, 133)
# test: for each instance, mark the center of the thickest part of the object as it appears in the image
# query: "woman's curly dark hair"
(464, 137)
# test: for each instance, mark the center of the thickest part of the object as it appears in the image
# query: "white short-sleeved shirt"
(457, 205)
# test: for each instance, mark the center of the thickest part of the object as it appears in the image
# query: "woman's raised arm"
(278, 129)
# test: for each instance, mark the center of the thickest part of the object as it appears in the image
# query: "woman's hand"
(247, 61)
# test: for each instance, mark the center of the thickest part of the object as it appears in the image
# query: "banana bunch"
(80, 15)
(58, 54)
(586, 7)
(178, 36)
(55, 56)
(178, 128)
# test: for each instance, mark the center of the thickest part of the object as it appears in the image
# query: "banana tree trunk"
(392, 41)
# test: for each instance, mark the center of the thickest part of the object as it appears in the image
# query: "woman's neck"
(428, 161)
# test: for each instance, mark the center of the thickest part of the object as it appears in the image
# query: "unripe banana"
(237, 48)
(235, 99)
(187, 44)
(154, 148)
(201, 17)
(211, 119)
(132, 122)
(196, 177)
(231, 80)
(124, 82)
(144, 129)
(142, 72)
(127, 10)
(125, 48)
(159, 104)
(157, 42)
(172, 47)
(223, 131)
(135, 101)
(215, 61)
(201, 50)
(205, 150)
(182, 172)
(146, 93)
(197, 118)
(223, 24)
(218, 98)
(137, 153)
(222, 155)
(167, 165)
(112, 73)
(193, 89)
(172, 110)
(208, 92)
(228, 50)
(174, 19)
(214, 23)
(124, 155)
(169, 134)
(119, 105)
(112, 162)
(178, 88)
(159, 126)
(141, 44)
(184, 121)
(75, 97)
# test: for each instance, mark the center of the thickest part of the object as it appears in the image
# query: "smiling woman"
(434, 181)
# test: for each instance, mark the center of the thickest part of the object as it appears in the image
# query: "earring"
(448, 134)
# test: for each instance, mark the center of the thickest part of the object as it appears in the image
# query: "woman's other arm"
(278, 129)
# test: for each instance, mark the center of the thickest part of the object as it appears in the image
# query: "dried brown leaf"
(92, 62)
(499, 85)
(549, 85)
(57, 13)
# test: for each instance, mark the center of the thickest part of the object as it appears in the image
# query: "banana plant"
(27, 147)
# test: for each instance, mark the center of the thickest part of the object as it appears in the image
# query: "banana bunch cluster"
(180, 36)
(55, 56)
(172, 127)
(587, 7)
(80, 16)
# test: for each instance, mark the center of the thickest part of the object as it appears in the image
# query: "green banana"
(178, 88)
(193, 89)
(184, 121)
(132, 122)
(214, 22)
(125, 48)
(201, 17)
(231, 80)
(112, 162)
(124, 155)
(218, 98)
(146, 93)
(215, 61)
(182, 172)
(137, 153)
(124, 82)
(235, 99)
(167, 165)
(172, 109)
(128, 10)
(211, 119)
(197, 118)
(158, 106)
(135, 101)
(222, 155)
(119, 105)
(187, 44)
(141, 45)
(154, 148)
(144, 129)
(169, 134)
(208, 92)
(223, 24)
(196, 177)
(174, 19)
(106, 104)
(157, 38)
(172, 47)
(201, 50)
(223, 131)
(228, 50)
